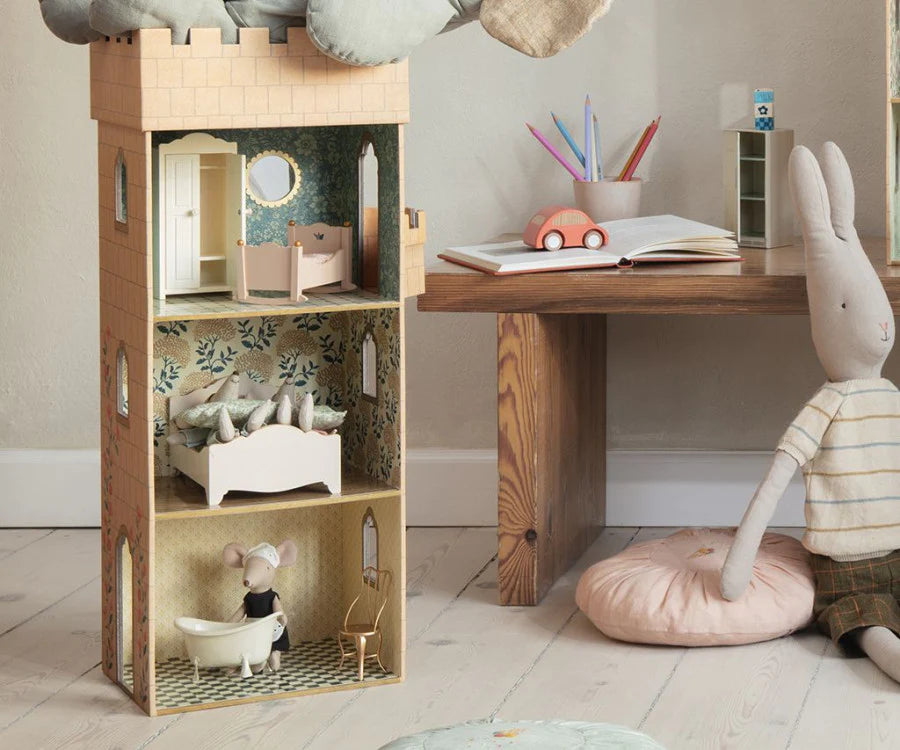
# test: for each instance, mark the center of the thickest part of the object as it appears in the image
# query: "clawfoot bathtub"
(230, 644)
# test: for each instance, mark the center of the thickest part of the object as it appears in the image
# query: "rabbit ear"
(841, 195)
(810, 195)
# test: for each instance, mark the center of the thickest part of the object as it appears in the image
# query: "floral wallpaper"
(319, 351)
(328, 158)
(372, 429)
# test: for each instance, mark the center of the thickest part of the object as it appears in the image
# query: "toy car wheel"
(593, 240)
(552, 241)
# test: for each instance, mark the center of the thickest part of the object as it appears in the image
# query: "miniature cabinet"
(180, 130)
(757, 194)
(201, 214)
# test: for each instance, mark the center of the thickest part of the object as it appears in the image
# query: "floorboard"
(12, 540)
(48, 653)
(43, 571)
(851, 704)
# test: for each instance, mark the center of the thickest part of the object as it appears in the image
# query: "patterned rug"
(308, 665)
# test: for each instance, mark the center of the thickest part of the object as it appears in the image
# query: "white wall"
(674, 383)
(49, 392)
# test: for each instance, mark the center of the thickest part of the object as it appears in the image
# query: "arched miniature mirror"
(368, 213)
(273, 178)
(124, 631)
(370, 547)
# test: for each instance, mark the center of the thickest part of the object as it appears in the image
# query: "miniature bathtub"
(230, 644)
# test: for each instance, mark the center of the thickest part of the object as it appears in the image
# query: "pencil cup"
(608, 199)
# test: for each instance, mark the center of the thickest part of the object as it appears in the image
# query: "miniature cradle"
(315, 256)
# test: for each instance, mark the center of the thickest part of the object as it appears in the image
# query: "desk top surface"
(765, 282)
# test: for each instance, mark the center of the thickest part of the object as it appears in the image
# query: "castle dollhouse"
(221, 166)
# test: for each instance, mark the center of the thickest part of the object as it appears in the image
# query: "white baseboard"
(446, 488)
(644, 488)
(49, 488)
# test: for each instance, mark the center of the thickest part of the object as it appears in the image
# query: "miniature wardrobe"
(202, 214)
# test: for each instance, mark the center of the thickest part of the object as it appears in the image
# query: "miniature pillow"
(207, 415)
(326, 418)
(667, 591)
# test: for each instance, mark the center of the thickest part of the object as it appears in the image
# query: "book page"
(628, 238)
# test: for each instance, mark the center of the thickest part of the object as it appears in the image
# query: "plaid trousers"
(856, 594)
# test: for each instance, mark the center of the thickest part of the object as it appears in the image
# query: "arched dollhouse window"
(122, 382)
(368, 214)
(369, 367)
(121, 189)
(370, 547)
(124, 629)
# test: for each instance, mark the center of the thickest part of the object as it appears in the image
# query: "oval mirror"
(273, 178)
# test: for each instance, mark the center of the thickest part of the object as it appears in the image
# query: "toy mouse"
(847, 437)
(259, 564)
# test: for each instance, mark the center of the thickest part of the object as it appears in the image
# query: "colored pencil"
(569, 139)
(587, 138)
(597, 151)
(554, 153)
(633, 153)
(643, 149)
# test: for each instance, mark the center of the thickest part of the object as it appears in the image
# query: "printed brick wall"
(147, 83)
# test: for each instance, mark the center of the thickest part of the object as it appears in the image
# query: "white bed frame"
(274, 458)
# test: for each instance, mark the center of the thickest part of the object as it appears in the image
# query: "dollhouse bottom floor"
(467, 658)
(308, 666)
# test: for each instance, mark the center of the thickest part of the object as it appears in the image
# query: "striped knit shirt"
(847, 441)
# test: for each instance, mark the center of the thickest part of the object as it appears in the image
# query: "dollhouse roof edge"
(144, 82)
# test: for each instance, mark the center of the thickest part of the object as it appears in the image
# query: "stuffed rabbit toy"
(847, 437)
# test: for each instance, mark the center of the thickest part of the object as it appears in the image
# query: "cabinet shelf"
(753, 157)
(180, 497)
(753, 197)
(207, 306)
(208, 258)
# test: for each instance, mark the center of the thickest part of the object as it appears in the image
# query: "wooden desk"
(551, 381)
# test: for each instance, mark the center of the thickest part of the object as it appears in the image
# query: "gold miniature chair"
(372, 600)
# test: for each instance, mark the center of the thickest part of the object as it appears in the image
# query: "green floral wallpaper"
(328, 158)
(320, 351)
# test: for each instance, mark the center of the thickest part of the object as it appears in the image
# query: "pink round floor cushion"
(667, 591)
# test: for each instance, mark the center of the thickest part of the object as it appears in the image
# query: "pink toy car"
(556, 227)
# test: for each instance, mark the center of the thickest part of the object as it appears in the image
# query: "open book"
(649, 239)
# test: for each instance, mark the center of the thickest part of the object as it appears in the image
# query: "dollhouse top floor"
(146, 83)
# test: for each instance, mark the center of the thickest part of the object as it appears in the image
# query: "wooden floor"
(468, 658)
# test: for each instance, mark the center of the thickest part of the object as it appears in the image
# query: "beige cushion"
(667, 591)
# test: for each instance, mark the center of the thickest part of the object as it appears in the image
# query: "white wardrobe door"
(182, 221)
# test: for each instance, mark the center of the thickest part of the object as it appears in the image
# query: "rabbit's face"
(851, 318)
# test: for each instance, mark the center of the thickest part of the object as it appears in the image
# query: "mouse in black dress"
(259, 564)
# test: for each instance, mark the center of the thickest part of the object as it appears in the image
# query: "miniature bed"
(274, 458)
(315, 256)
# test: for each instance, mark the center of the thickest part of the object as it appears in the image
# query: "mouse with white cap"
(259, 564)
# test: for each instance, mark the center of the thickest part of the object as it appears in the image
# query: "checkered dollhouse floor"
(308, 665)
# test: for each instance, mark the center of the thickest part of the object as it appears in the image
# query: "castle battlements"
(144, 82)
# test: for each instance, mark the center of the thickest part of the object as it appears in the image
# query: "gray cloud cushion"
(358, 32)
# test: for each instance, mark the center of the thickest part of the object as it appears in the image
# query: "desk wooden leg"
(551, 404)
